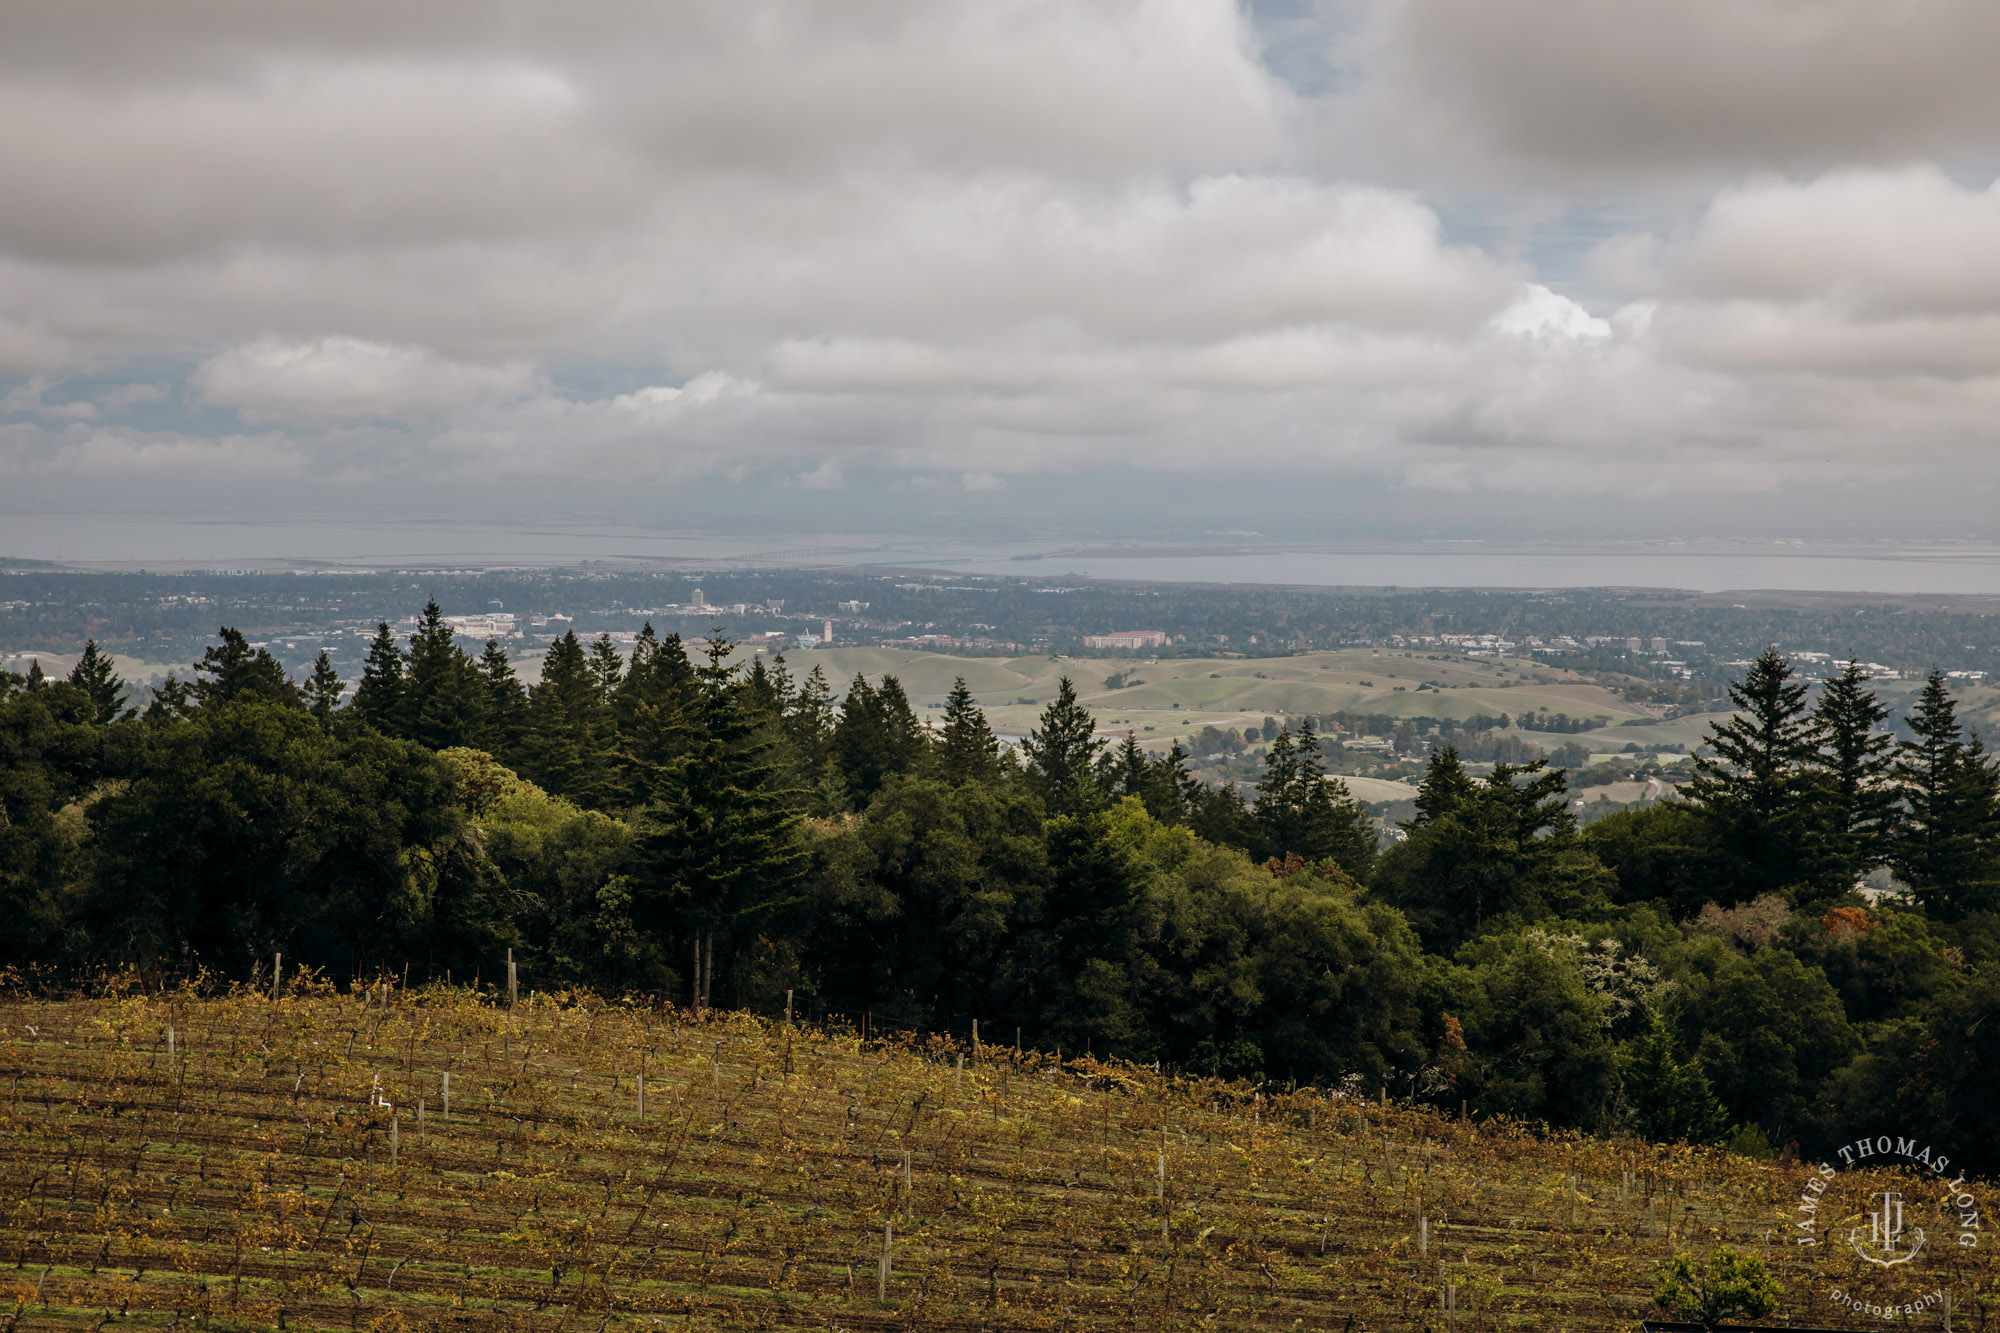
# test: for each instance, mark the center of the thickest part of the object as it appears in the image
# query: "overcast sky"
(1564, 258)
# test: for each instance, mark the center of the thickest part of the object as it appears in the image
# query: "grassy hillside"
(1175, 697)
(289, 1165)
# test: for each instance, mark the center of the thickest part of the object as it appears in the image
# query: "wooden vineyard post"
(975, 1041)
(420, 1121)
(513, 982)
(788, 1006)
(447, 1094)
(882, 1272)
(395, 1140)
(1423, 1231)
(277, 975)
(170, 1048)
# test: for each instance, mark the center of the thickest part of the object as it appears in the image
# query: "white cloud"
(349, 377)
(825, 477)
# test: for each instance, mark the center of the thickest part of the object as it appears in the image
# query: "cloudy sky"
(1426, 264)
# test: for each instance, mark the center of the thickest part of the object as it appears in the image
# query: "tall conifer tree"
(1300, 810)
(1948, 846)
(441, 695)
(1856, 798)
(1062, 755)
(1758, 787)
(378, 698)
(966, 749)
(99, 680)
(721, 847)
(568, 740)
(323, 690)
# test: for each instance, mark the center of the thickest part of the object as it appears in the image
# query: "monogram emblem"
(1886, 1243)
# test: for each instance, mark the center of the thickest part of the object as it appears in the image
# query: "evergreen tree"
(1446, 787)
(503, 703)
(966, 749)
(378, 698)
(1671, 1099)
(877, 736)
(1171, 795)
(37, 679)
(441, 695)
(1856, 797)
(232, 672)
(1127, 771)
(171, 699)
(606, 665)
(648, 716)
(1062, 755)
(1948, 847)
(1300, 810)
(1758, 788)
(568, 742)
(722, 851)
(98, 679)
(323, 690)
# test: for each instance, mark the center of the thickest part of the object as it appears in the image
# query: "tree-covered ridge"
(724, 832)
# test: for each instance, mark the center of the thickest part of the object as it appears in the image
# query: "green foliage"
(729, 832)
(1302, 812)
(1062, 755)
(1503, 854)
(1708, 1291)
(1947, 848)
(1670, 1097)
(1757, 791)
(94, 675)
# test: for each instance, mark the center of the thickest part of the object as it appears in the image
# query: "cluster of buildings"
(1129, 639)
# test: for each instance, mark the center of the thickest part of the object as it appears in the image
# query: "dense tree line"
(722, 831)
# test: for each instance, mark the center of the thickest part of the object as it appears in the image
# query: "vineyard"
(438, 1159)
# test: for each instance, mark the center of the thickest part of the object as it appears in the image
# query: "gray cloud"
(1623, 92)
(974, 239)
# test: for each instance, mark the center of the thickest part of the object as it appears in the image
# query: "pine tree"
(569, 734)
(171, 699)
(721, 846)
(98, 679)
(1446, 787)
(1758, 788)
(233, 672)
(877, 736)
(378, 699)
(1671, 1098)
(37, 679)
(1856, 798)
(1300, 810)
(503, 704)
(1062, 755)
(1127, 771)
(648, 716)
(323, 690)
(1172, 794)
(606, 665)
(441, 694)
(1947, 848)
(966, 749)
